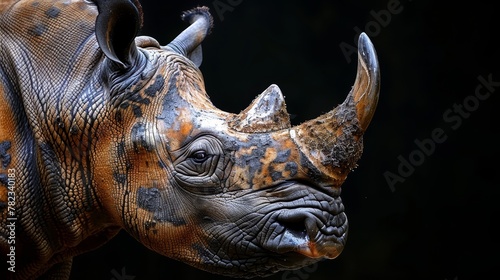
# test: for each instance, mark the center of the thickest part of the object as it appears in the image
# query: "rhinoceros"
(103, 130)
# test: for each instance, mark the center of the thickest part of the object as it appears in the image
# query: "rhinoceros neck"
(61, 110)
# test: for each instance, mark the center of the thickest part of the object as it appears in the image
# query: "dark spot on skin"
(149, 224)
(156, 87)
(136, 98)
(59, 122)
(124, 105)
(282, 156)
(120, 178)
(171, 102)
(252, 161)
(137, 111)
(276, 175)
(292, 168)
(120, 148)
(38, 29)
(150, 199)
(4, 155)
(138, 135)
(128, 166)
(168, 215)
(4, 179)
(53, 12)
(74, 129)
(118, 116)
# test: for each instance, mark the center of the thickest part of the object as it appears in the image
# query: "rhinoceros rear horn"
(267, 113)
(116, 27)
(188, 43)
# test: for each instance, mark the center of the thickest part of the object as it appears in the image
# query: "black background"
(438, 222)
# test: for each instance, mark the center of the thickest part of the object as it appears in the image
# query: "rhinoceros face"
(237, 194)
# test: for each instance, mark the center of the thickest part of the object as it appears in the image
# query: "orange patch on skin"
(186, 129)
(3, 196)
(7, 133)
(288, 144)
(269, 156)
(7, 119)
(177, 134)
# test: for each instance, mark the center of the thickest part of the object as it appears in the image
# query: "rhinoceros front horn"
(367, 85)
(333, 141)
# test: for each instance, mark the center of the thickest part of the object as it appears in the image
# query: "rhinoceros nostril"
(296, 228)
(300, 225)
(312, 228)
(307, 231)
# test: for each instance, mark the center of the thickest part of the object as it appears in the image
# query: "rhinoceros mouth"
(309, 232)
(290, 225)
(313, 225)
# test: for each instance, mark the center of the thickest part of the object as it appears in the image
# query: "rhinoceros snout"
(314, 229)
(313, 234)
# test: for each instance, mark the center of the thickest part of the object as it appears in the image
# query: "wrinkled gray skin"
(104, 131)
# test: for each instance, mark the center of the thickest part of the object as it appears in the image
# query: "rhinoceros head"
(237, 194)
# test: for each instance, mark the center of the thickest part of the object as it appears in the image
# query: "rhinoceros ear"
(188, 43)
(116, 27)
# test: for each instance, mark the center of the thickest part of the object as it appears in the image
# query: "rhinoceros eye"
(199, 156)
(199, 165)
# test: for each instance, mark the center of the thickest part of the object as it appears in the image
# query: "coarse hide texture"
(102, 130)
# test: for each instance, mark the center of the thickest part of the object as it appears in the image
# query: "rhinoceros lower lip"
(330, 251)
